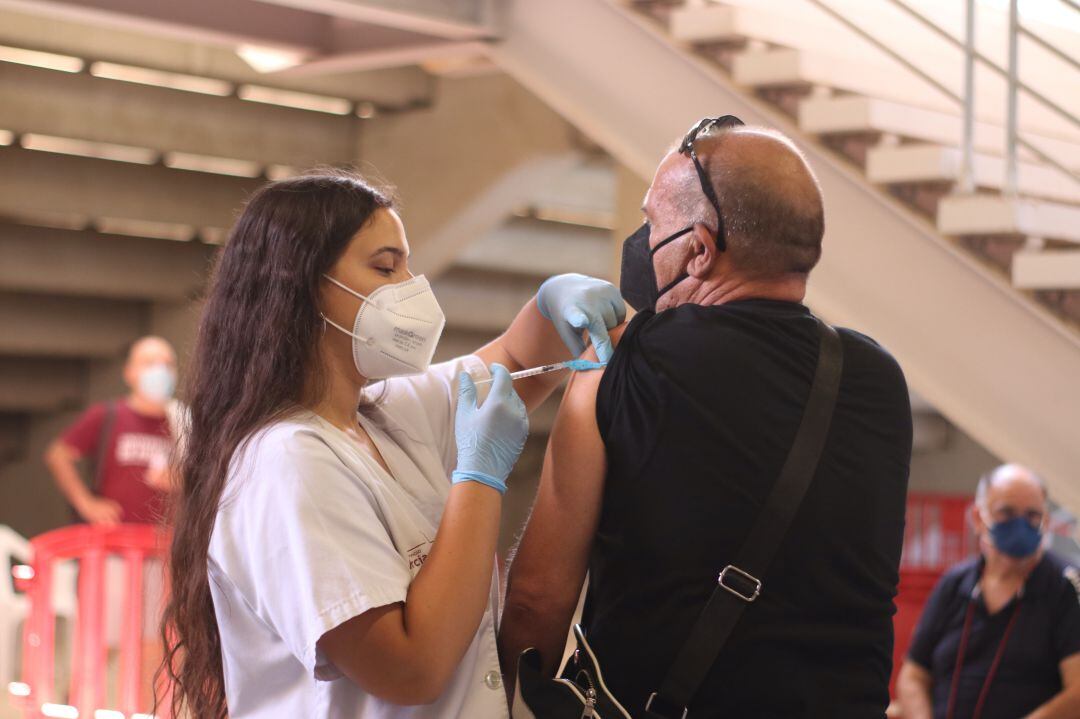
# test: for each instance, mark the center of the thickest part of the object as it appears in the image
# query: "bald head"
(1013, 483)
(769, 198)
(151, 350)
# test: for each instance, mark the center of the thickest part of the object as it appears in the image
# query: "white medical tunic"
(312, 532)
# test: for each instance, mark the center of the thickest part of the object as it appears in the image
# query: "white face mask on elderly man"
(396, 329)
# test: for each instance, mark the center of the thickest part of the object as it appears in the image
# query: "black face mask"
(638, 277)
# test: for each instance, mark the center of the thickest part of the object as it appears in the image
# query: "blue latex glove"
(576, 302)
(490, 437)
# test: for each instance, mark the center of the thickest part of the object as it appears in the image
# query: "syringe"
(577, 365)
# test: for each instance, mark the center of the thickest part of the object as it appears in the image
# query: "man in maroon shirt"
(128, 441)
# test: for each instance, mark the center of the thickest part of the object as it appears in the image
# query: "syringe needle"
(578, 365)
(521, 374)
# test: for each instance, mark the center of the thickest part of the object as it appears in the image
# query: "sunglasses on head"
(686, 147)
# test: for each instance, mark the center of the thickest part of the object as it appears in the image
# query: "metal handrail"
(927, 77)
(967, 100)
(1049, 47)
(967, 182)
(1004, 72)
(967, 150)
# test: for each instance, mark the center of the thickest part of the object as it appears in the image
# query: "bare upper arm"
(549, 566)
(60, 450)
(1070, 671)
(913, 671)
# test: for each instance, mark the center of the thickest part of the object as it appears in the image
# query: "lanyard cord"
(951, 711)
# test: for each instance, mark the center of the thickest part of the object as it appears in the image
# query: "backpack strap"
(104, 435)
(739, 582)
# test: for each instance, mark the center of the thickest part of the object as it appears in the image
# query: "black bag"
(581, 691)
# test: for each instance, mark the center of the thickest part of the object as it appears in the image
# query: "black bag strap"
(104, 435)
(738, 582)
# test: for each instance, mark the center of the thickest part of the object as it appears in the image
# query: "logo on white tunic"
(417, 556)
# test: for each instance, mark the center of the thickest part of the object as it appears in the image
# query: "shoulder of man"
(82, 434)
(661, 334)
(98, 410)
(1063, 575)
(957, 575)
(868, 347)
(1072, 575)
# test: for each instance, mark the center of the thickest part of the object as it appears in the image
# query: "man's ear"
(976, 519)
(703, 252)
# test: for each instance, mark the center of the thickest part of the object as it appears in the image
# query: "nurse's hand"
(575, 303)
(489, 437)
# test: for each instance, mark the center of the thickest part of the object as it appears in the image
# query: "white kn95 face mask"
(396, 328)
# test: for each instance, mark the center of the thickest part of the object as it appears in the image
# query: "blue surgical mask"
(157, 383)
(1016, 537)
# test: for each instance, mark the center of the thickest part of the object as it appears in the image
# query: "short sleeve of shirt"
(928, 631)
(84, 433)
(628, 379)
(305, 543)
(1067, 636)
(424, 404)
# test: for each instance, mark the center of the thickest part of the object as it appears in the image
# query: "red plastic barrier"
(937, 534)
(134, 544)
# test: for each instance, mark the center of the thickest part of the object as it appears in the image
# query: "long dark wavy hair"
(255, 349)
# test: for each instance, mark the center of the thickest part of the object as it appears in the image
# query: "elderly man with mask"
(1000, 635)
(734, 483)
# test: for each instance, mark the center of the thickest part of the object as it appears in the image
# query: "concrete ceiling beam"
(85, 107)
(43, 325)
(25, 27)
(450, 19)
(40, 384)
(72, 262)
(43, 182)
(366, 60)
(228, 22)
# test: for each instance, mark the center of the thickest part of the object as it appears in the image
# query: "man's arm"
(61, 460)
(913, 691)
(549, 567)
(1066, 703)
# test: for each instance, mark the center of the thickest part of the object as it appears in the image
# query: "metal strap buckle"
(744, 575)
(658, 712)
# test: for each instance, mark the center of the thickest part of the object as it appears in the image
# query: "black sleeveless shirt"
(697, 409)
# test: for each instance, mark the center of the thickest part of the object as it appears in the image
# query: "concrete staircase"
(905, 134)
(563, 227)
(965, 290)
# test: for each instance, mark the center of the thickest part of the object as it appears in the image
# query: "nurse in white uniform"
(335, 562)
